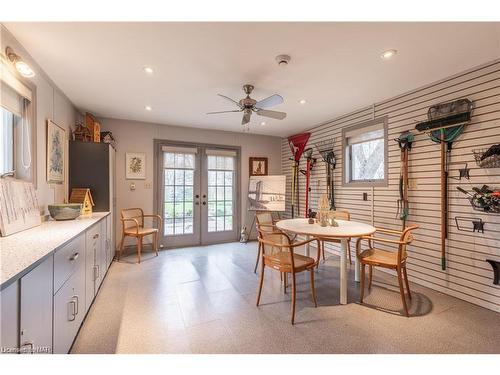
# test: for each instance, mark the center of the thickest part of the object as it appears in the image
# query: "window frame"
(29, 175)
(346, 151)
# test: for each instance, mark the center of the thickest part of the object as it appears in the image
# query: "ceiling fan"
(248, 106)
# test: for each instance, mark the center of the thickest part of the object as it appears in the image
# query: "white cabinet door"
(69, 310)
(93, 263)
(9, 316)
(109, 241)
(36, 308)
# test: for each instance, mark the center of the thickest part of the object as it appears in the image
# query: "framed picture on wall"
(56, 138)
(258, 166)
(135, 164)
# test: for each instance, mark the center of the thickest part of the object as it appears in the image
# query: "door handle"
(204, 203)
(74, 256)
(77, 300)
(96, 236)
(197, 195)
(204, 195)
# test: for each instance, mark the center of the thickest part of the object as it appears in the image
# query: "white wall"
(133, 136)
(467, 275)
(51, 103)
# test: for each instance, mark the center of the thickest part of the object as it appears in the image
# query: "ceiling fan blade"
(246, 118)
(231, 100)
(270, 101)
(272, 114)
(213, 113)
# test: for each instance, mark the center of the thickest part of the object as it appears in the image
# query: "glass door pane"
(180, 198)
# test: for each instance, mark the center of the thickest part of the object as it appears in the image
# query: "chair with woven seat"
(395, 260)
(267, 224)
(133, 226)
(340, 215)
(278, 253)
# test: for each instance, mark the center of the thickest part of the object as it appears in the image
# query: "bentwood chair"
(267, 224)
(340, 215)
(374, 257)
(278, 253)
(133, 226)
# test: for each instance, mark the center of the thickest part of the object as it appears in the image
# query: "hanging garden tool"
(297, 145)
(405, 141)
(325, 148)
(310, 162)
(446, 121)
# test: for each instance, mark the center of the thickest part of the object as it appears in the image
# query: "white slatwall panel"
(467, 276)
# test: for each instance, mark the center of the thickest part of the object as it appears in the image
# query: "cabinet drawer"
(68, 259)
(69, 310)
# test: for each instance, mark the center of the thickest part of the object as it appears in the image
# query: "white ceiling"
(336, 67)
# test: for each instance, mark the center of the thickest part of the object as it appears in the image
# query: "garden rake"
(325, 148)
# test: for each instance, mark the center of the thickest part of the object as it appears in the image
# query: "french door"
(198, 194)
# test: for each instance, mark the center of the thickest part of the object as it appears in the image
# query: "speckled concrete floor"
(202, 300)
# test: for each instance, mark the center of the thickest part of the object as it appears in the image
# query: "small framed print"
(258, 166)
(56, 143)
(135, 164)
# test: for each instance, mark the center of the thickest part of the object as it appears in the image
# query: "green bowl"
(69, 211)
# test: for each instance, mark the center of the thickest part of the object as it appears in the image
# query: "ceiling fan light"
(148, 70)
(148, 108)
(263, 123)
(302, 101)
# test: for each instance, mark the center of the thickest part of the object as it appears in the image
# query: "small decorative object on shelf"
(82, 133)
(484, 199)
(94, 127)
(82, 196)
(107, 137)
(488, 157)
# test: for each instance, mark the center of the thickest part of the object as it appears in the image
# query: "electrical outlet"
(412, 183)
(147, 185)
(132, 186)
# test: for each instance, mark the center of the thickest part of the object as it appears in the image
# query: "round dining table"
(344, 231)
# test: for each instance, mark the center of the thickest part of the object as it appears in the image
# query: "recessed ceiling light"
(148, 70)
(388, 54)
(148, 108)
(302, 101)
(262, 123)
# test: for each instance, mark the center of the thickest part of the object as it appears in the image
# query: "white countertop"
(20, 251)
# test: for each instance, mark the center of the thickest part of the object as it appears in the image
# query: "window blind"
(221, 152)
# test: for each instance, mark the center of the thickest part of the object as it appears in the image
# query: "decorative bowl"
(66, 211)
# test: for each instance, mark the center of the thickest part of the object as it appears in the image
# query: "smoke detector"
(283, 60)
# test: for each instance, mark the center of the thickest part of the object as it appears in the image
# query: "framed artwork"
(258, 166)
(266, 193)
(56, 137)
(135, 164)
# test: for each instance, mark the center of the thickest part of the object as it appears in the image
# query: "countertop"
(20, 252)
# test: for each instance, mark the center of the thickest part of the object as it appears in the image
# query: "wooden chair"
(340, 215)
(374, 257)
(265, 223)
(278, 253)
(133, 226)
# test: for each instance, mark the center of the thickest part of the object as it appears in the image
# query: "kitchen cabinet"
(36, 308)
(69, 310)
(9, 312)
(95, 261)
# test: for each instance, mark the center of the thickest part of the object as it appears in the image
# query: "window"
(7, 120)
(365, 150)
(16, 135)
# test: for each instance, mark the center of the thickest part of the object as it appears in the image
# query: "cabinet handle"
(98, 271)
(73, 314)
(74, 256)
(96, 236)
(95, 273)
